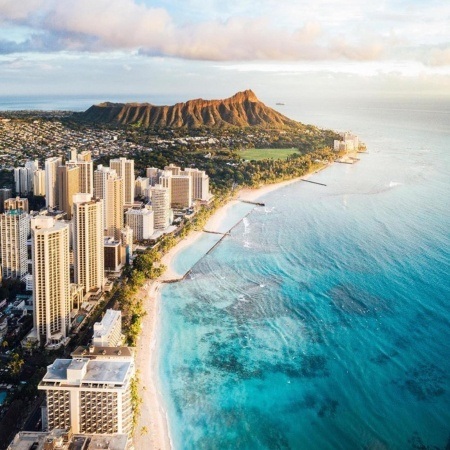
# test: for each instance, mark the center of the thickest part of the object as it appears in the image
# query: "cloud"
(19, 11)
(289, 30)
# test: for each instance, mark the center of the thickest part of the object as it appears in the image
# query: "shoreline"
(152, 429)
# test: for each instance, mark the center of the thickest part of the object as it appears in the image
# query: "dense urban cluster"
(61, 262)
(30, 138)
(85, 215)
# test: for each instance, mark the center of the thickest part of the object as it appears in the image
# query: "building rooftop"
(110, 241)
(109, 319)
(36, 440)
(97, 371)
(94, 352)
(15, 212)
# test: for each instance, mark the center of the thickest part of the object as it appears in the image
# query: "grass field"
(266, 153)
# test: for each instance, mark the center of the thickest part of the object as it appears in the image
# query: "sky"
(211, 49)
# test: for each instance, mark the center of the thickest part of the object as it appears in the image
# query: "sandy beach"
(152, 430)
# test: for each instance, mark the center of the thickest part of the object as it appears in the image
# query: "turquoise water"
(190, 256)
(323, 322)
(3, 395)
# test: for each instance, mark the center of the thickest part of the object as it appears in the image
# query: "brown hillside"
(241, 110)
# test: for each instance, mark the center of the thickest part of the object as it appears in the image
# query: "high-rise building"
(23, 177)
(85, 155)
(88, 242)
(141, 221)
(51, 187)
(109, 187)
(5, 193)
(16, 203)
(72, 154)
(21, 181)
(51, 279)
(126, 236)
(86, 165)
(108, 332)
(89, 395)
(173, 168)
(101, 174)
(161, 206)
(39, 182)
(114, 207)
(200, 184)
(180, 191)
(86, 180)
(141, 184)
(14, 230)
(125, 169)
(68, 185)
(152, 173)
(165, 180)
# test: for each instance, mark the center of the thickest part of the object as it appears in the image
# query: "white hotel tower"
(90, 396)
(51, 279)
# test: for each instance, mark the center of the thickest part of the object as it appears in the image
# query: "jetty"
(348, 160)
(313, 182)
(252, 203)
(217, 232)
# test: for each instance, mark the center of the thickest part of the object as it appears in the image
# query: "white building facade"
(108, 332)
(141, 221)
(160, 197)
(89, 396)
(51, 187)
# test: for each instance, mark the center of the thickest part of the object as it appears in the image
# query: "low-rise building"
(114, 255)
(108, 332)
(16, 203)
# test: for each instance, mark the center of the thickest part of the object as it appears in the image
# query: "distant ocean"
(74, 102)
(323, 321)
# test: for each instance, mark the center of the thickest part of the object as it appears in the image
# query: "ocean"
(323, 321)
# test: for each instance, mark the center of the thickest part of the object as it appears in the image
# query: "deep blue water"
(323, 322)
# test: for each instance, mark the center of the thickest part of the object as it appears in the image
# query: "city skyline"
(149, 48)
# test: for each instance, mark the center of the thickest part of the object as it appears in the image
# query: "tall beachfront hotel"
(90, 395)
(160, 206)
(14, 230)
(109, 187)
(88, 243)
(125, 168)
(51, 187)
(51, 279)
(68, 183)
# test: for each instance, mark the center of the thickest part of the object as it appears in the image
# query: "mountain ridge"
(243, 109)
